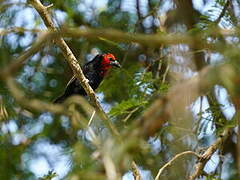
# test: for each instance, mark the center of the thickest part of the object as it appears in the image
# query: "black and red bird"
(94, 71)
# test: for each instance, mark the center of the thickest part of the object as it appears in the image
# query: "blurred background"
(40, 144)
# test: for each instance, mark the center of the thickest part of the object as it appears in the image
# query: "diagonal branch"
(208, 153)
(71, 59)
(33, 104)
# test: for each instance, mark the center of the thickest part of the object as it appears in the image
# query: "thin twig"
(49, 6)
(90, 121)
(136, 173)
(140, 17)
(130, 114)
(173, 159)
(166, 71)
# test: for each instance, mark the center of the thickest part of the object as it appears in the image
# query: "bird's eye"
(111, 59)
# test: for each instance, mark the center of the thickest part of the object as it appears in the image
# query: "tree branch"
(136, 173)
(40, 106)
(156, 40)
(173, 159)
(43, 12)
(16, 64)
(208, 153)
(115, 35)
(33, 104)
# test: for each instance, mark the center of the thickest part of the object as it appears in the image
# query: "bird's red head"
(108, 61)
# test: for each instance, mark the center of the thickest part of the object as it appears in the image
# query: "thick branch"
(156, 40)
(43, 12)
(150, 40)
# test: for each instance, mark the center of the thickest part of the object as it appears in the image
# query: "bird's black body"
(94, 71)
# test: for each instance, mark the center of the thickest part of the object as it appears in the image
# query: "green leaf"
(125, 106)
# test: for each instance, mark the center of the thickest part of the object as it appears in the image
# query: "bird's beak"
(115, 64)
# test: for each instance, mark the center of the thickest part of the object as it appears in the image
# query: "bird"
(95, 71)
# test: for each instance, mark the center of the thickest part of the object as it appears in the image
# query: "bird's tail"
(60, 99)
